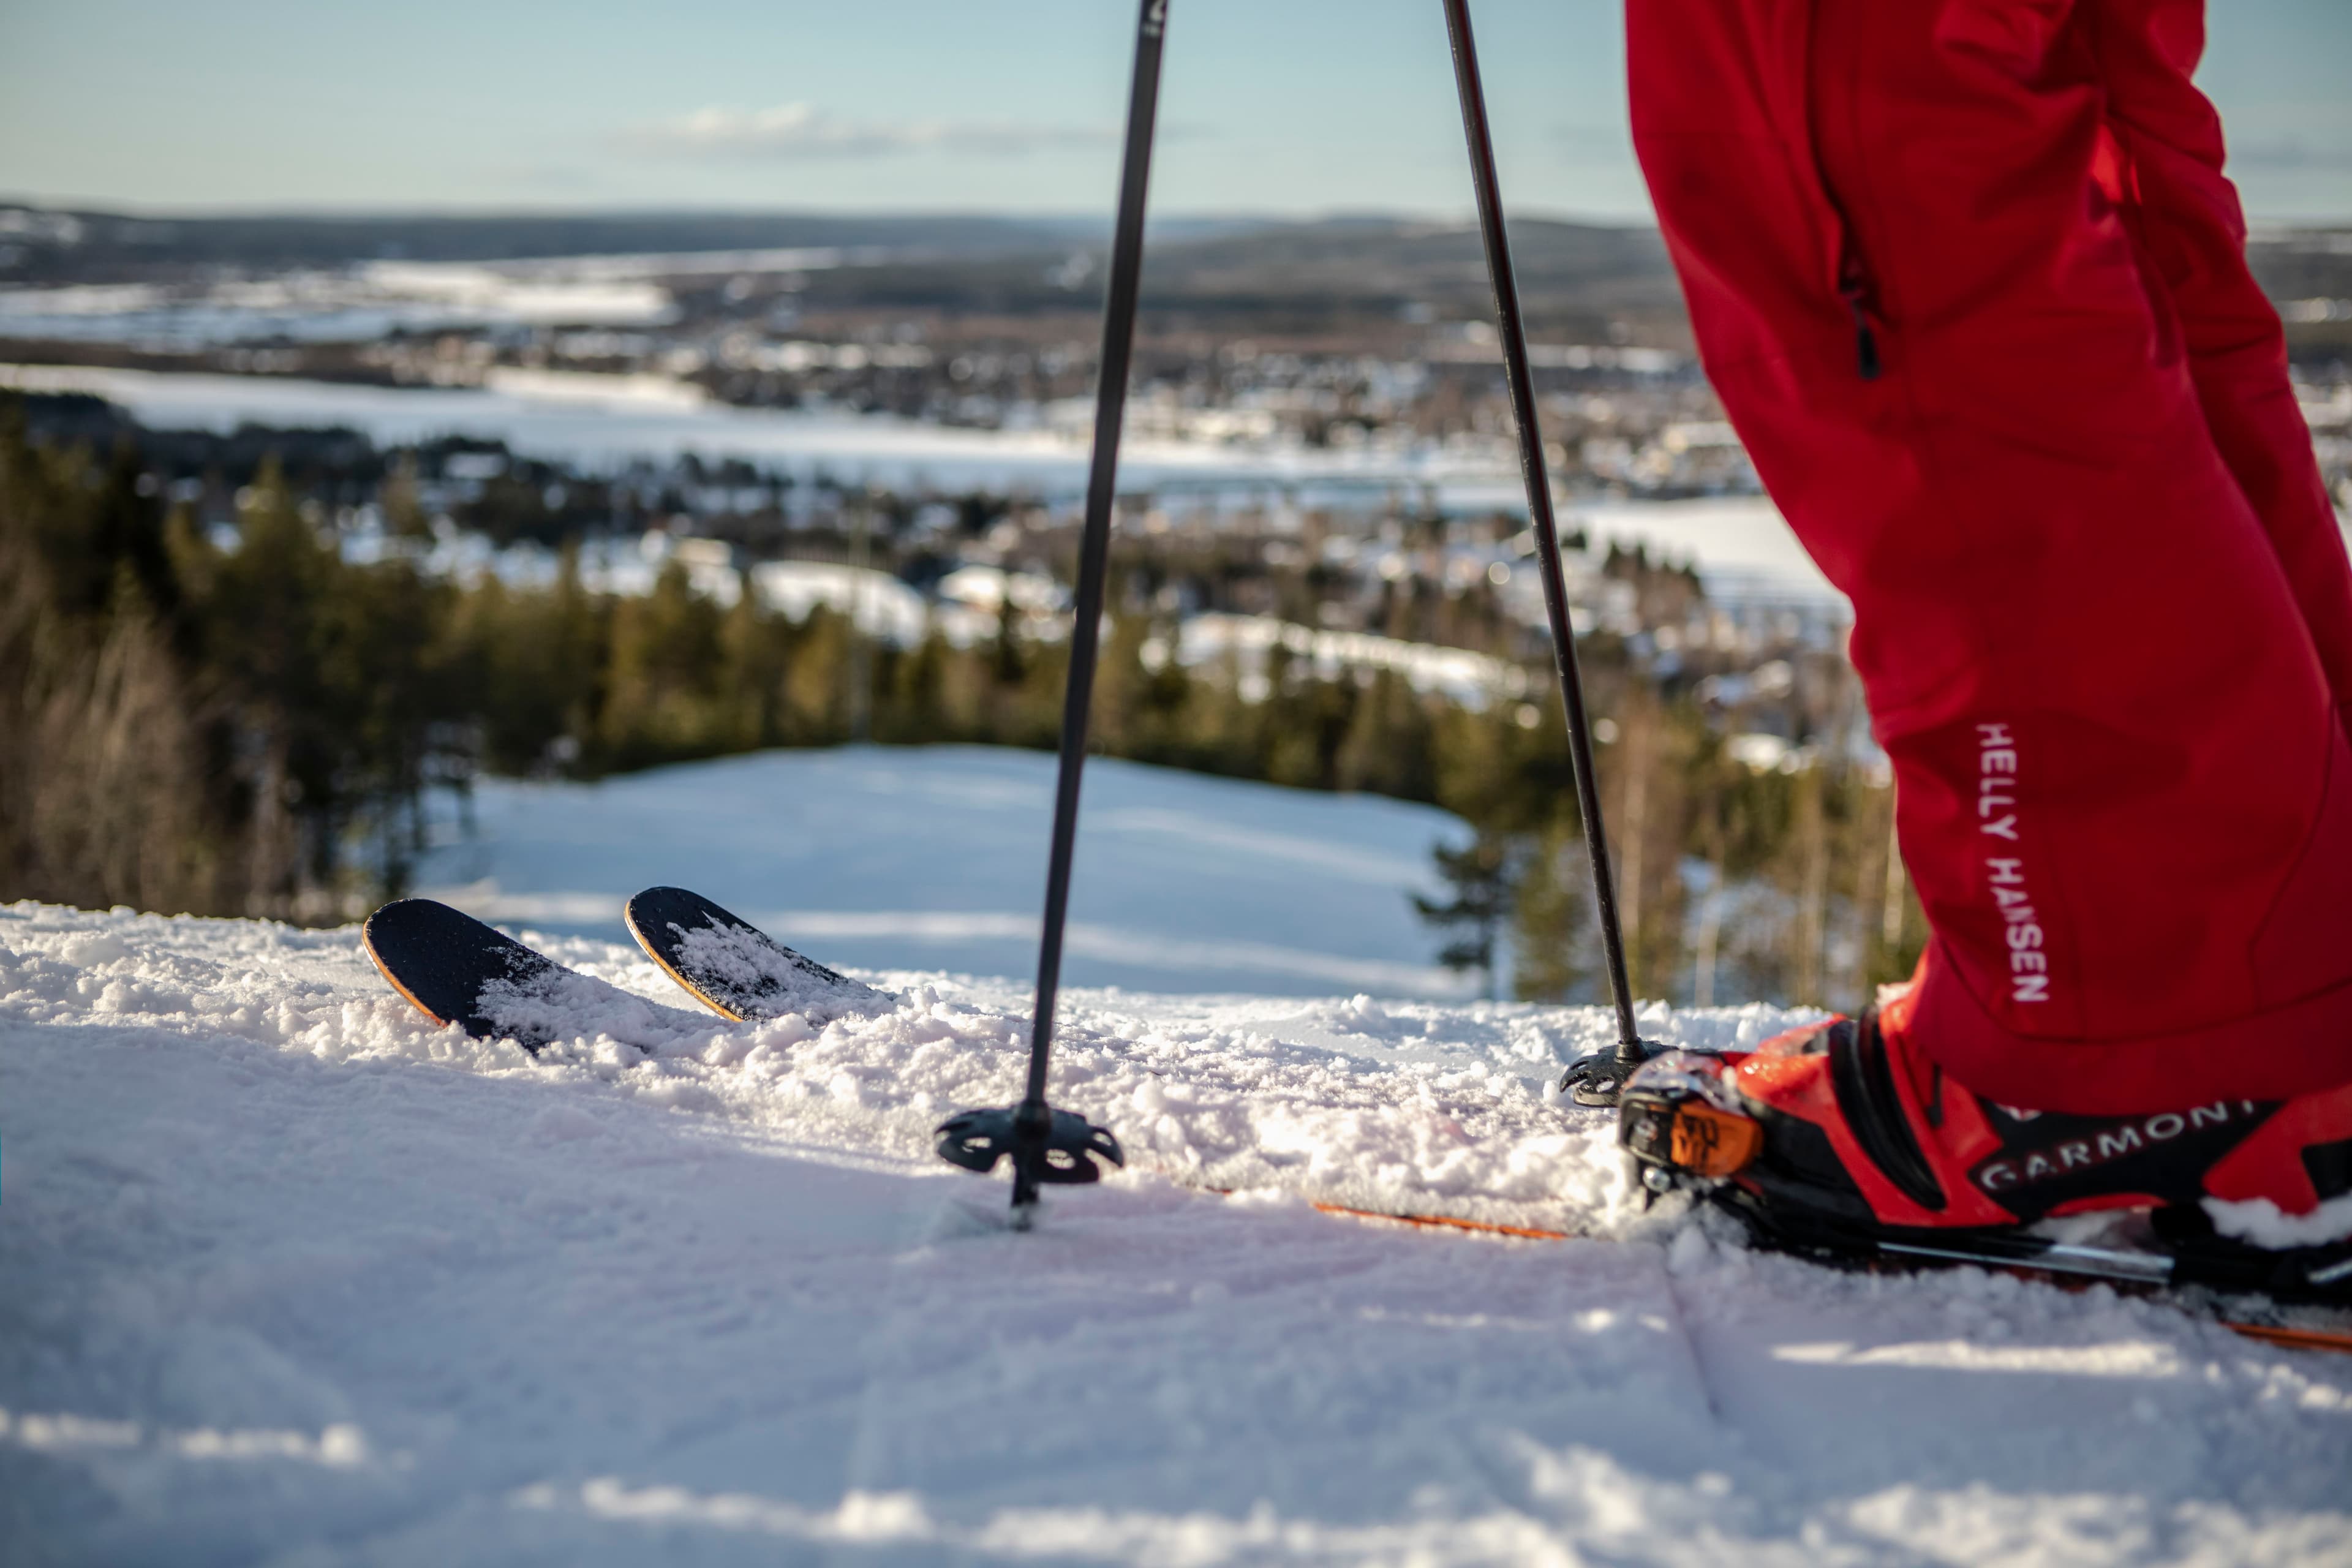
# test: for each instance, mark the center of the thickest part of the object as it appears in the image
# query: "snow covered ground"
(372, 299)
(288, 1276)
(1739, 543)
(596, 421)
(933, 858)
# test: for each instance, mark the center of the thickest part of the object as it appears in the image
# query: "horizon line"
(1463, 217)
(1466, 216)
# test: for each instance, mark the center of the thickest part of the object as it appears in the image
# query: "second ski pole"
(1596, 1079)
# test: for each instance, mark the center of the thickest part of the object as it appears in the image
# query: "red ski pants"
(1971, 284)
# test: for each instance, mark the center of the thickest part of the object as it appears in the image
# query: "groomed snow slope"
(934, 857)
(288, 1277)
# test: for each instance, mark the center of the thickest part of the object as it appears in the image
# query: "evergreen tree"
(1388, 744)
(1550, 917)
(1478, 877)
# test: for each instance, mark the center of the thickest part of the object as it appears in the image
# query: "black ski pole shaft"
(1488, 186)
(1094, 560)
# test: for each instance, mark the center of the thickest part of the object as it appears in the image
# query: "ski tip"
(408, 936)
(655, 918)
(388, 930)
(731, 965)
(651, 912)
(448, 964)
(406, 924)
(406, 915)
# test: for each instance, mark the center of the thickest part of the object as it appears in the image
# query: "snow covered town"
(561, 1000)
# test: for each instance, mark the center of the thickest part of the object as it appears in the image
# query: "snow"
(554, 1004)
(291, 1276)
(1744, 550)
(2262, 1223)
(581, 427)
(368, 300)
(1741, 544)
(744, 967)
(881, 605)
(930, 857)
(347, 305)
(1470, 679)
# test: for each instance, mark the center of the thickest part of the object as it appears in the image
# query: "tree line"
(251, 723)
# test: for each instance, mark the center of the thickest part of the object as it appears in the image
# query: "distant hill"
(1278, 276)
(1307, 276)
(1568, 272)
(91, 244)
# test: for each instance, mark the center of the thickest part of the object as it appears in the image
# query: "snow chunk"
(2262, 1223)
(90, 949)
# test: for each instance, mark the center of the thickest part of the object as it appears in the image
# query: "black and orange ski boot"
(1840, 1137)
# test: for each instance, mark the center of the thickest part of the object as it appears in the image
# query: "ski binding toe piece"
(1677, 1119)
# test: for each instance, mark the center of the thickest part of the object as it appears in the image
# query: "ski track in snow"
(287, 1275)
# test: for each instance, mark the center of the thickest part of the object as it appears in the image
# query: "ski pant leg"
(2167, 173)
(2124, 797)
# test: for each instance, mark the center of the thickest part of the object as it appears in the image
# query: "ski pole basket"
(1064, 1156)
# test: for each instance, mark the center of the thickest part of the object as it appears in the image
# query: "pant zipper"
(1852, 278)
(1865, 336)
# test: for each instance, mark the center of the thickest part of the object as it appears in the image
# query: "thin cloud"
(794, 131)
(2290, 153)
(1604, 144)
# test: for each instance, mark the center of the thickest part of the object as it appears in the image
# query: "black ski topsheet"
(735, 969)
(458, 971)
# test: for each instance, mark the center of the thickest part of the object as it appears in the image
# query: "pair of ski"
(458, 971)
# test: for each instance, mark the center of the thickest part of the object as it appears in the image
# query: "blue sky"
(1271, 106)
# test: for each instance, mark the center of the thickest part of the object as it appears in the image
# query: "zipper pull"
(1865, 337)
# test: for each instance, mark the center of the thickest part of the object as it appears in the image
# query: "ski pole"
(1595, 1079)
(1048, 1146)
